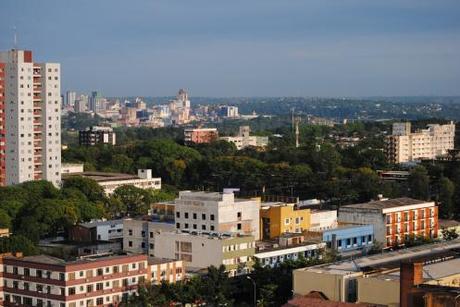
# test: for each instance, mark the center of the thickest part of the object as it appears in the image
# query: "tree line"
(36, 209)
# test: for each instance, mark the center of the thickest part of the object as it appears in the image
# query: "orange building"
(200, 135)
(395, 220)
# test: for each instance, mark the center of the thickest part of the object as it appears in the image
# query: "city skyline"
(357, 48)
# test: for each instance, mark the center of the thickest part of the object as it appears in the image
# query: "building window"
(178, 214)
(186, 215)
(130, 243)
(130, 232)
(212, 227)
(61, 276)
(238, 226)
(100, 301)
(203, 227)
(194, 226)
(203, 216)
(100, 272)
(178, 225)
(238, 215)
(194, 216)
(71, 290)
(143, 234)
(211, 217)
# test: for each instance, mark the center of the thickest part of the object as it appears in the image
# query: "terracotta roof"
(302, 301)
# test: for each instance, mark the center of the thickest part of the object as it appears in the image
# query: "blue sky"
(244, 48)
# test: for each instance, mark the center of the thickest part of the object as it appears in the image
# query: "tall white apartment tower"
(32, 94)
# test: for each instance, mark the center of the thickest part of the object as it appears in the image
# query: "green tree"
(18, 243)
(449, 234)
(216, 287)
(89, 187)
(5, 219)
(419, 183)
(445, 197)
(136, 201)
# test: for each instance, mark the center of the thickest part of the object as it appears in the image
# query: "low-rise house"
(97, 231)
(290, 246)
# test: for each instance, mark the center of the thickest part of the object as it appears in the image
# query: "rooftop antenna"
(15, 38)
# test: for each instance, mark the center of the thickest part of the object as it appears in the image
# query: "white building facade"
(219, 212)
(404, 146)
(32, 118)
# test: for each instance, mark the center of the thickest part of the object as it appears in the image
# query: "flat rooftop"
(101, 223)
(50, 260)
(155, 260)
(389, 260)
(448, 223)
(386, 204)
(103, 177)
(431, 271)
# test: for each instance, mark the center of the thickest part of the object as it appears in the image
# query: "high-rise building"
(81, 104)
(32, 122)
(71, 97)
(2, 126)
(406, 146)
(96, 102)
(180, 108)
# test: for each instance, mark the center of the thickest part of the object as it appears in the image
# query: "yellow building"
(279, 218)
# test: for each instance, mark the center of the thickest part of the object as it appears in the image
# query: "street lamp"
(255, 289)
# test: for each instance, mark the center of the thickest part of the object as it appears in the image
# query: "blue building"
(349, 237)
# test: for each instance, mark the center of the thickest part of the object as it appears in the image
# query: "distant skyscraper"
(81, 104)
(70, 98)
(31, 134)
(95, 102)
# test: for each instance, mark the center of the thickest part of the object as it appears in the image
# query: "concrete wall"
(334, 286)
(365, 217)
(380, 291)
(205, 252)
